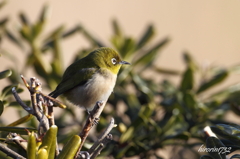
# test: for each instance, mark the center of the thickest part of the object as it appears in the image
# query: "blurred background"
(206, 30)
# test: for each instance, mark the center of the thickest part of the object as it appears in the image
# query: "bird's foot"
(88, 112)
(95, 121)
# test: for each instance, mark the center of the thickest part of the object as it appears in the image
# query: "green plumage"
(89, 77)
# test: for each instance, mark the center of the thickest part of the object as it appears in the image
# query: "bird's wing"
(73, 79)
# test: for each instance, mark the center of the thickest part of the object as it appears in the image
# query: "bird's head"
(108, 58)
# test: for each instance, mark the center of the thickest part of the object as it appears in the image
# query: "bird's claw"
(95, 121)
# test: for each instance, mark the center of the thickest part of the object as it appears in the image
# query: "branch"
(10, 152)
(18, 99)
(102, 137)
(91, 120)
(105, 141)
(34, 88)
(18, 140)
(39, 100)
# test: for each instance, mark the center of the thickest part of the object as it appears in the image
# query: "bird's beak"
(124, 63)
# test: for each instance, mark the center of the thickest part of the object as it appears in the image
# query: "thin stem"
(18, 99)
(51, 116)
(91, 119)
(105, 141)
(102, 136)
(52, 122)
(10, 152)
(34, 87)
(18, 140)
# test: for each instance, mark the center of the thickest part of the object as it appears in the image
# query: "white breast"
(97, 88)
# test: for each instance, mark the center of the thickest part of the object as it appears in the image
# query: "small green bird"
(91, 78)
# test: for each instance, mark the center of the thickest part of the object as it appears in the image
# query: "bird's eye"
(114, 61)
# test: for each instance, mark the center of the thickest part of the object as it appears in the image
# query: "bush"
(145, 124)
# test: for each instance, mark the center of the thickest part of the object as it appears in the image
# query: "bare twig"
(106, 140)
(42, 119)
(102, 136)
(10, 152)
(18, 99)
(91, 119)
(37, 99)
(52, 122)
(48, 101)
(51, 116)
(52, 101)
(17, 139)
(34, 88)
(39, 103)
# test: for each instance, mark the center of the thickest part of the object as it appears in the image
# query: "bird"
(90, 79)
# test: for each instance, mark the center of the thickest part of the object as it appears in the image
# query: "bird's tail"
(53, 94)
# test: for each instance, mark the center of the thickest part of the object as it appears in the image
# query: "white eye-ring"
(114, 61)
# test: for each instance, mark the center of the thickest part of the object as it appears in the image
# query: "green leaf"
(3, 3)
(146, 111)
(123, 74)
(5, 74)
(4, 156)
(71, 32)
(146, 37)
(90, 37)
(235, 69)
(3, 21)
(116, 28)
(166, 71)
(175, 126)
(181, 135)
(141, 85)
(26, 33)
(31, 147)
(122, 152)
(190, 102)
(19, 130)
(127, 48)
(41, 66)
(8, 90)
(213, 142)
(226, 93)
(37, 29)
(44, 14)
(24, 19)
(127, 135)
(149, 56)
(49, 141)
(1, 107)
(70, 149)
(187, 58)
(218, 78)
(42, 154)
(21, 120)
(14, 39)
(187, 82)
(55, 33)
